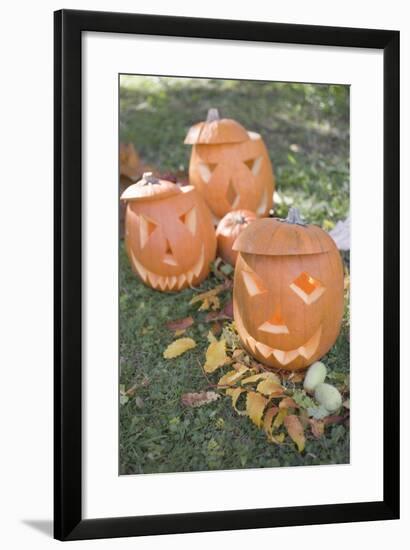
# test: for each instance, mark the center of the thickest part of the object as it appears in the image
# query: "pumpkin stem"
(213, 115)
(239, 218)
(147, 178)
(294, 217)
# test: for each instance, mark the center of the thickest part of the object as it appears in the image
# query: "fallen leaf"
(179, 332)
(334, 419)
(317, 412)
(261, 376)
(270, 387)
(180, 324)
(255, 405)
(211, 337)
(287, 403)
(209, 298)
(232, 376)
(225, 313)
(234, 393)
(215, 355)
(199, 399)
(178, 347)
(216, 328)
(267, 421)
(280, 418)
(295, 430)
(317, 427)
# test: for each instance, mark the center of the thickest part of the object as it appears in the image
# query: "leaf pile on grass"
(274, 401)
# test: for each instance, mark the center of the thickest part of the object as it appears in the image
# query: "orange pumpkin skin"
(288, 292)
(230, 167)
(229, 228)
(169, 235)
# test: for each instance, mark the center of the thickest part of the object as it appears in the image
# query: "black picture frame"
(68, 521)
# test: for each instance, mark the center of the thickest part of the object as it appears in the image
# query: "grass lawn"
(306, 129)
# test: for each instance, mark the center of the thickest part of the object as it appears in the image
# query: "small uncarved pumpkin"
(230, 166)
(288, 291)
(229, 228)
(169, 235)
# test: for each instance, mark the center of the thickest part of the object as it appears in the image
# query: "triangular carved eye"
(307, 287)
(254, 165)
(147, 227)
(253, 283)
(190, 220)
(205, 170)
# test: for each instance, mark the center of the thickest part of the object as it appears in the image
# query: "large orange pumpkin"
(288, 291)
(229, 228)
(230, 166)
(169, 236)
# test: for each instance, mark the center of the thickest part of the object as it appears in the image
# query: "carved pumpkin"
(231, 225)
(230, 167)
(169, 236)
(288, 291)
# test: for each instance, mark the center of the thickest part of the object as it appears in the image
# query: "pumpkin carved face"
(230, 167)
(288, 292)
(169, 234)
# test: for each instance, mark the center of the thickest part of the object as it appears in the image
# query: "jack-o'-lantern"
(229, 228)
(288, 291)
(230, 166)
(169, 236)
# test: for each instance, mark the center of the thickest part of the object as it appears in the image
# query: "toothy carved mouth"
(174, 282)
(283, 357)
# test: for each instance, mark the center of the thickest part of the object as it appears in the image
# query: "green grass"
(307, 134)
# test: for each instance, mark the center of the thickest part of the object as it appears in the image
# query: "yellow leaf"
(269, 388)
(235, 393)
(232, 376)
(215, 355)
(279, 418)
(295, 430)
(255, 405)
(211, 337)
(267, 421)
(261, 376)
(287, 403)
(207, 295)
(178, 347)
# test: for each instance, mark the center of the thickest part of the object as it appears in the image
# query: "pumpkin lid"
(216, 130)
(283, 237)
(150, 188)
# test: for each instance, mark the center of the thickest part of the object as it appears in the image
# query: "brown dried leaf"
(255, 405)
(215, 355)
(180, 324)
(295, 430)
(178, 347)
(287, 403)
(199, 399)
(225, 313)
(317, 427)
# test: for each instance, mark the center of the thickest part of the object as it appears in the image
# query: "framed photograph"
(226, 275)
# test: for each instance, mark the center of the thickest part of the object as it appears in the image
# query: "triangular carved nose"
(276, 324)
(169, 256)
